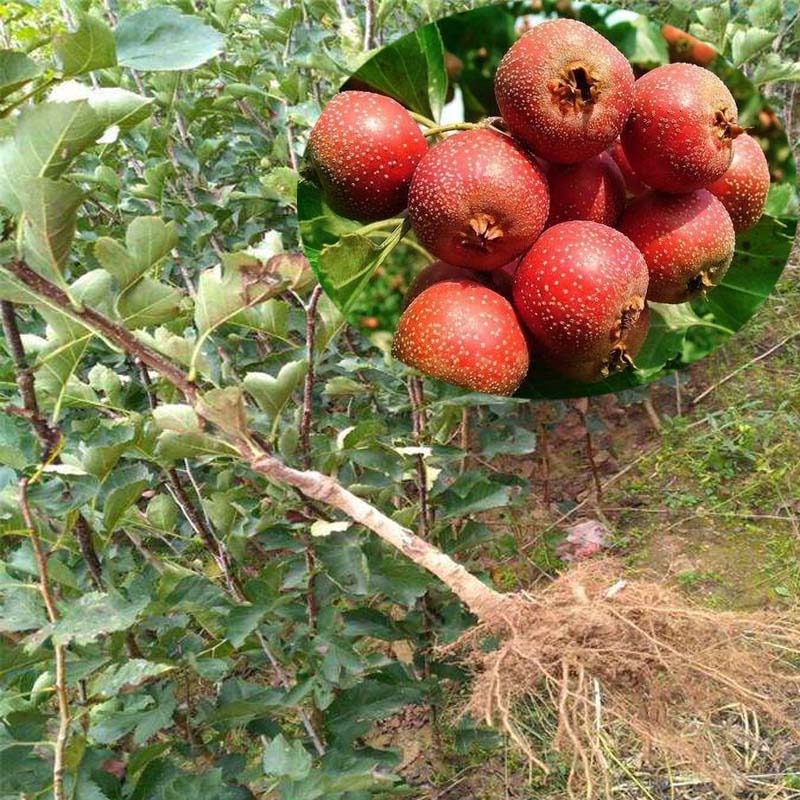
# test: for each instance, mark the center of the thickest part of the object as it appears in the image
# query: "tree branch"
(59, 650)
(478, 597)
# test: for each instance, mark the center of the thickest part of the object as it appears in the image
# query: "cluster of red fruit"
(555, 224)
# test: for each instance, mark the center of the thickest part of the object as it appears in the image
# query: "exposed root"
(615, 660)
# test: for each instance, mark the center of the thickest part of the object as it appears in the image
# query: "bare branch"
(308, 386)
(59, 650)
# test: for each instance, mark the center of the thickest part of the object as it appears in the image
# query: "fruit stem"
(453, 126)
(423, 120)
(378, 226)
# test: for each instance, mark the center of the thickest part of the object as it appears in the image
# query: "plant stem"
(426, 121)
(59, 650)
(453, 126)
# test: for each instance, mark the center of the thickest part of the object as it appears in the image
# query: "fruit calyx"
(618, 360)
(727, 128)
(575, 89)
(482, 231)
(703, 281)
(627, 320)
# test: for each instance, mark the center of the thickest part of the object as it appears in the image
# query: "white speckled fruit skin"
(464, 333)
(473, 173)
(435, 273)
(671, 139)
(744, 187)
(592, 370)
(364, 149)
(526, 101)
(593, 190)
(572, 286)
(680, 236)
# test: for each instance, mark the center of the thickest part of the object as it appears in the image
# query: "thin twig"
(743, 367)
(308, 386)
(48, 434)
(59, 650)
(369, 24)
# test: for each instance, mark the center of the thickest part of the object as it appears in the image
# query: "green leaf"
(123, 677)
(353, 712)
(765, 13)
(761, 255)
(95, 614)
(50, 135)
(272, 393)
(772, 67)
(713, 24)
(746, 43)
(90, 47)
(286, 758)
(16, 69)
(50, 216)
(128, 485)
(115, 106)
(149, 302)
(412, 71)
(641, 42)
(344, 562)
(345, 268)
(176, 417)
(161, 38)
(150, 239)
(225, 291)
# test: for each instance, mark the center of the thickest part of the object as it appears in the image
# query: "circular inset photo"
(548, 206)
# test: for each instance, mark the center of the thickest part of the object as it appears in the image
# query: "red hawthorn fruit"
(502, 278)
(478, 200)
(462, 332)
(683, 46)
(564, 90)
(633, 185)
(580, 290)
(687, 241)
(680, 134)
(435, 273)
(619, 356)
(593, 190)
(364, 150)
(743, 189)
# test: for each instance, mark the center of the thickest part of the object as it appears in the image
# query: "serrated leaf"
(149, 302)
(176, 417)
(115, 106)
(118, 677)
(161, 38)
(50, 216)
(285, 758)
(174, 446)
(88, 48)
(50, 135)
(772, 67)
(128, 485)
(95, 614)
(272, 393)
(16, 69)
(225, 291)
(746, 43)
(149, 239)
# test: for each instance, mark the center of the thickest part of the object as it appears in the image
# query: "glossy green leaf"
(161, 38)
(411, 70)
